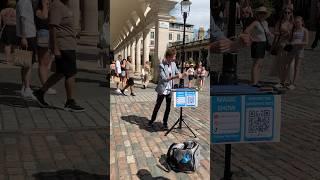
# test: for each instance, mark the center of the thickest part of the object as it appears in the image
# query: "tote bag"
(22, 58)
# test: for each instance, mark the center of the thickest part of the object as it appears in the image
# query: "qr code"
(191, 100)
(259, 122)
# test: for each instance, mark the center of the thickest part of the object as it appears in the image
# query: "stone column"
(129, 49)
(74, 5)
(161, 42)
(146, 45)
(138, 53)
(125, 51)
(90, 17)
(133, 53)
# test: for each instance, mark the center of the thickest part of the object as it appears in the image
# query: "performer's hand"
(180, 75)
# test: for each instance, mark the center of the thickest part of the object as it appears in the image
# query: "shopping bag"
(116, 79)
(22, 58)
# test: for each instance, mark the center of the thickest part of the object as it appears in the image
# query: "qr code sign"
(259, 122)
(191, 100)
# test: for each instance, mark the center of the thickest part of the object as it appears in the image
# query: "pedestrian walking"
(201, 74)
(8, 29)
(260, 33)
(112, 70)
(168, 72)
(26, 32)
(299, 41)
(317, 37)
(118, 72)
(191, 73)
(44, 57)
(123, 75)
(283, 31)
(63, 44)
(146, 74)
(129, 77)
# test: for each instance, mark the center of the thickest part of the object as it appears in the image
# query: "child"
(299, 41)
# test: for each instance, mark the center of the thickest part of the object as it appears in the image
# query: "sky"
(199, 13)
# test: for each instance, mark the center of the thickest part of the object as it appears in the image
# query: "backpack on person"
(184, 157)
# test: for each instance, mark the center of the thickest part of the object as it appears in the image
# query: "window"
(152, 42)
(187, 38)
(178, 37)
(170, 36)
(152, 35)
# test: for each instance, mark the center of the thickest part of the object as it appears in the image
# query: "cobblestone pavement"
(297, 156)
(50, 143)
(137, 151)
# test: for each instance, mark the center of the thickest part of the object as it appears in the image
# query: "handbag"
(22, 58)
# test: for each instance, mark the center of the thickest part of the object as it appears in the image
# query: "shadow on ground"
(142, 122)
(70, 175)
(144, 174)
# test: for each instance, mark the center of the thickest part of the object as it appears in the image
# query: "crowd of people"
(196, 75)
(286, 42)
(44, 27)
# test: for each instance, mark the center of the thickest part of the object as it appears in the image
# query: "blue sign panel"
(185, 98)
(259, 118)
(225, 119)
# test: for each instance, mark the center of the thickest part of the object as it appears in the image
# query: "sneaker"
(144, 87)
(118, 91)
(39, 97)
(122, 92)
(279, 85)
(72, 106)
(132, 94)
(51, 91)
(150, 124)
(291, 87)
(28, 93)
(126, 90)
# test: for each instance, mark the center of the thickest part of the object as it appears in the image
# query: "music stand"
(184, 101)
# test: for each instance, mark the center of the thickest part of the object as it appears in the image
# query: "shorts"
(43, 38)
(258, 50)
(123, 74)
(113, 72)
(32, 46)
(130, 82)
(191, 77)
(66, 63)
(9, 35)
(297, 53)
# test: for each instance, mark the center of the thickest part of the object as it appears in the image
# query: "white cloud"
(199, 13)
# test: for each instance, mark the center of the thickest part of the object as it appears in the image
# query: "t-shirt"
(130, 73)
(8, 16)
(259, 32)
(170, 83)
(25, 19)
(118, 67)
(61, 17)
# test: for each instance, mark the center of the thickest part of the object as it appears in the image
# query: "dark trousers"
(316, 39)
(158, 105)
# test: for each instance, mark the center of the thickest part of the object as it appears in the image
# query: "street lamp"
(185, 10)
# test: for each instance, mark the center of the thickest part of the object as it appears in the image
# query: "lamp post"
(185, 10)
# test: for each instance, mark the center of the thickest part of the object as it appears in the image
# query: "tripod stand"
(180, 121)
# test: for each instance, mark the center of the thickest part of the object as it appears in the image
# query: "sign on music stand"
(184, 97)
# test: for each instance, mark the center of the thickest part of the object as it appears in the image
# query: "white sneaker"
(51, 91)
(279, 85)
(126, 90)
(291, 87)
(118, 91)
(28, 93)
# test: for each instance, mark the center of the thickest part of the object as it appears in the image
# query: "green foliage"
(267, 3)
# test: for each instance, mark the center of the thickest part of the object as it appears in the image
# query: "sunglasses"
(287, 12)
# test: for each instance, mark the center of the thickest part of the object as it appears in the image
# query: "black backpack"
(184, 157)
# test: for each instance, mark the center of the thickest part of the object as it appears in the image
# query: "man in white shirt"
(26, 31)
(118, 72)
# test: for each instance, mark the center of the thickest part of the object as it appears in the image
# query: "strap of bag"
(169, 150)
(265, 33)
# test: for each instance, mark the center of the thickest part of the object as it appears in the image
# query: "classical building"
(175, 34)
(131, 22)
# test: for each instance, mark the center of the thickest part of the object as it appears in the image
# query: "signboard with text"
(185, 98)
(245, 119)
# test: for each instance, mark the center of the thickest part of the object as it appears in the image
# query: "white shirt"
(258, 32)
(170, 83)
(24, 9)
(118, 67)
